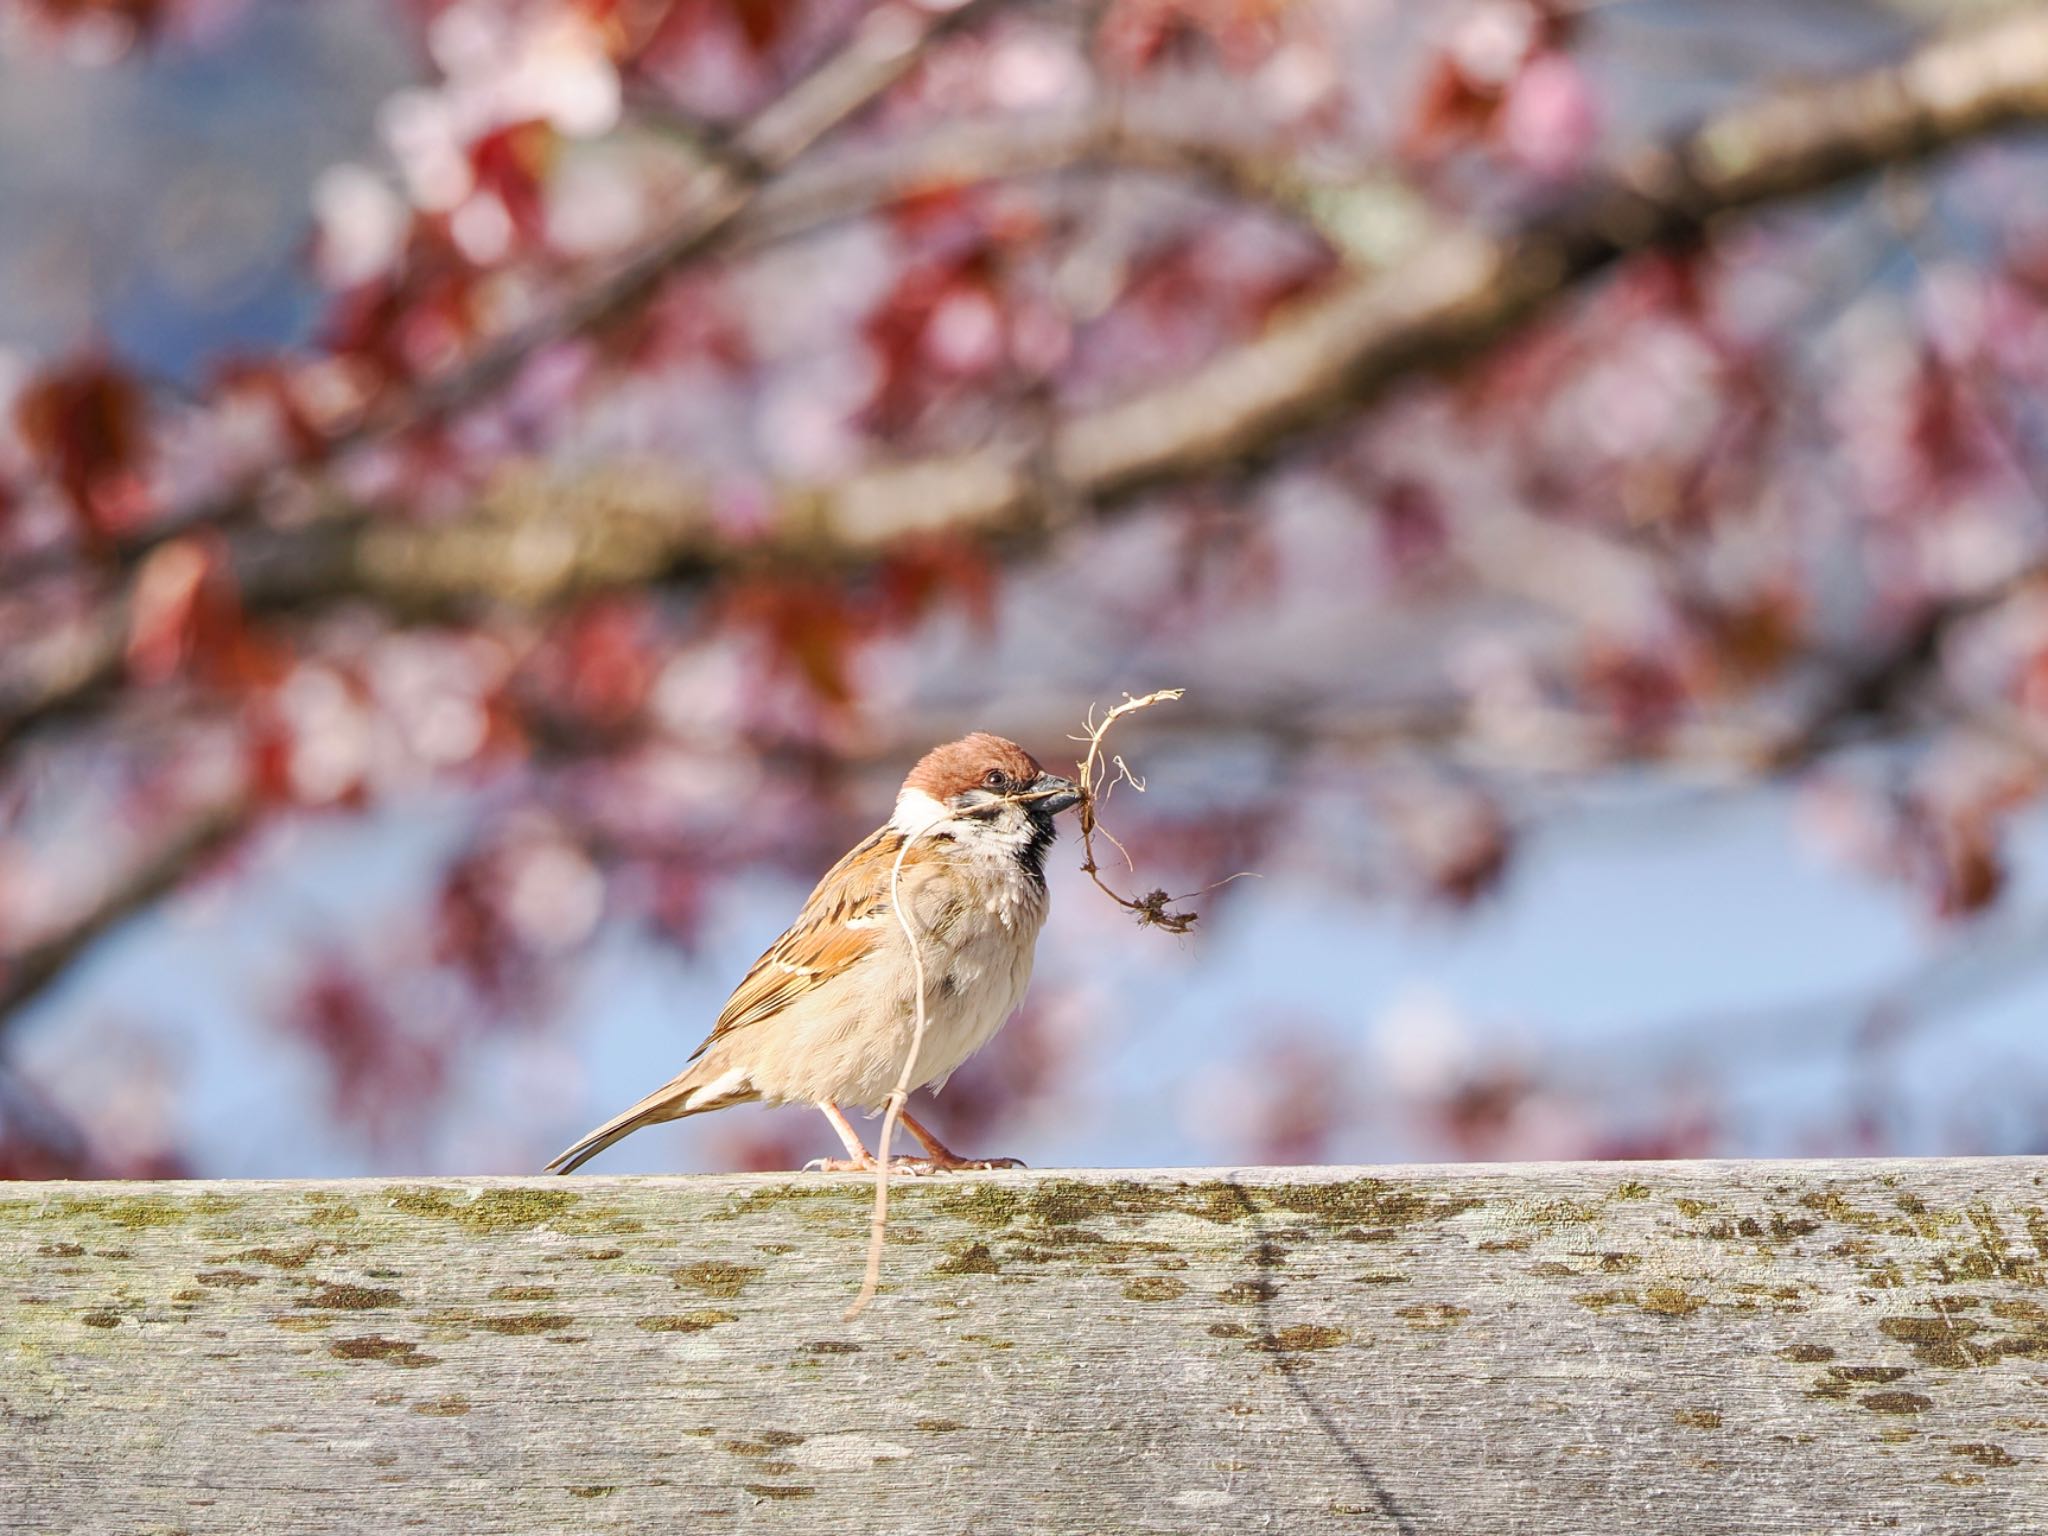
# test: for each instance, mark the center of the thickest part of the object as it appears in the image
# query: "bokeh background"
(494, 493)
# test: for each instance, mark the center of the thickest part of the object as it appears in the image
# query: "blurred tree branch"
(536, 542)
(736, 169)
(1113, 135)
(187, 847)
(78, 663)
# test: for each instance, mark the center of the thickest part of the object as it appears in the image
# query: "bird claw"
(916, 1167)
(923, 1165)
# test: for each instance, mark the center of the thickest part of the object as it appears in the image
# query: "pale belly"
(852, 1052)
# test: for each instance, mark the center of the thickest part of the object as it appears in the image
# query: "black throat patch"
(1032, 854)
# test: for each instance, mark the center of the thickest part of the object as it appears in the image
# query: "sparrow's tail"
(690, 1094)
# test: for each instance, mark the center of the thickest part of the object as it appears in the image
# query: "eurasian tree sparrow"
(826, 1016)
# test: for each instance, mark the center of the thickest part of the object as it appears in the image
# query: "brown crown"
(962, 765)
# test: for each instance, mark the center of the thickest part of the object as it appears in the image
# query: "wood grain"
(1680, 1347)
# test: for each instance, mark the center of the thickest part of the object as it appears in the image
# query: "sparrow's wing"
(846, 919)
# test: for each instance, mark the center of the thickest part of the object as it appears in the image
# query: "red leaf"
(1960, 861)
(1747, 641)
(943, 322)
(471, 933)
(267, 749)
(512, 163)
(271, 384)
(87, 425)
(1413, 533)
(1451, 111)
(1455, 838)
(1470, 86)
(416, 318)
(1945, 430)
(599, 665)
(186, 616)
(811, 627)
(919, 576)
(762, 22)
(1643, 694)
(142, 17)
(380, 1070)
(758, 27)
(1137, 35)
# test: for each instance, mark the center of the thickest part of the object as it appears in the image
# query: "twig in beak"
(1154, 908)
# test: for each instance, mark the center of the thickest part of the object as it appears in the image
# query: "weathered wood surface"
(1753, 1347)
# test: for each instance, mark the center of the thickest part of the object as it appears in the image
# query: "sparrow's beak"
(1053, 794)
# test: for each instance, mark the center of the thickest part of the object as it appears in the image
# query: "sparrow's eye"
(995, 778)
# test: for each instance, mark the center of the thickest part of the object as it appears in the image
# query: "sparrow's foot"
(939, 1158)
(952, 1164)
(839, 1165)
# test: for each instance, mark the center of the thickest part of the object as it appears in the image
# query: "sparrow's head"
(995, 792)
(979, 773)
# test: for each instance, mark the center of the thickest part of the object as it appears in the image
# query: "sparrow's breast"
(845, 1042)
(982, 979)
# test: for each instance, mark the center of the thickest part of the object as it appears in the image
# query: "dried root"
(878, 1224)
(1153, 909)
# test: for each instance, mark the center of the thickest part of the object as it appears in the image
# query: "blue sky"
(1665, 943)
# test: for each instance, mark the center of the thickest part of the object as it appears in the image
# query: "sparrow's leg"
(939, 1158)
(857, 1159)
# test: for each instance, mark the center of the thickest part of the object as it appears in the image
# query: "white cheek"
(917, 813)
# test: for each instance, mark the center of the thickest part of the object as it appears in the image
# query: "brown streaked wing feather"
(836, 930)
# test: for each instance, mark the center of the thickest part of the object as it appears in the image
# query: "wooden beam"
(1682, 1347)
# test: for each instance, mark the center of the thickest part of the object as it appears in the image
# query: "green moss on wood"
(351, 1298)
(983, 1204)
(686, 1322)
(1155, 1288)
(396, 1352)
(1897, 1402)
(1433, 1314)
(1985, 1455)
(491, 1211)
(968, 1259)
(1344, 1203)
(1671, 1301)
(1561, 1213)
(286, 1258)
(1600, 1301)
(714, 1277)
(1303, 1337)
(136, 1213)
(521, 1324)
